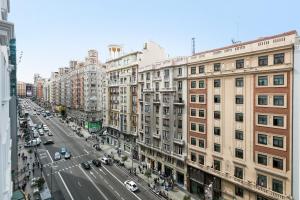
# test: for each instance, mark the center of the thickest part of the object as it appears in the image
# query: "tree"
(187, 197)
(148, 174)
(40, 182)
(124, 158)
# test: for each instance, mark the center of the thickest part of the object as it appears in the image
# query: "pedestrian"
(33, 165)
(32, 171)
(19, 154)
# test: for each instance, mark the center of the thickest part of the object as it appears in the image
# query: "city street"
(68, 180)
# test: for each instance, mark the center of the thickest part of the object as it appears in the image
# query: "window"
(262, 60)
(166, 73)
(217, 83)
(201, 84)
(239, 135)
(278, 58)
(201, 143)
(193, 70)
(239, 153)
(278, 163)
(262, 80)
(239, 117)
(193, 157)
(217, 98)
(262, 100)
(193, 141)
(239, 82)
(262, 139)
(201, 99)
(148, 76)
(193, 112)
(262, 159)
(201, 113)
(239, 64)
(278, 79)
(217, 67)
(277, 186)
(278, 141)
(193, 98)
(217, 131)
(238, 172)
(217, 115)
(262, 119)
(156, 86)
(239, 99)
(278, 100)
(262, 180)
(201, 159)
(239, 191)
(193, 127)
(201, 69)
(217, 147)
(179, 71)
(278, 121)
(193, 84)
(201, 128)
(217, 165)
(179, 85)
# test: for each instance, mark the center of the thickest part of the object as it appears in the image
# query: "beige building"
(121, 117)
(163, 117)
(21, 89)
(240, 119)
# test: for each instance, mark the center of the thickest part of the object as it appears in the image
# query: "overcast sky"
(52, 32)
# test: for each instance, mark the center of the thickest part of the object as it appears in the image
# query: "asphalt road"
(70, 180)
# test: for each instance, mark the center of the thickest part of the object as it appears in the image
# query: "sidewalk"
(176, 193)
(29, 168)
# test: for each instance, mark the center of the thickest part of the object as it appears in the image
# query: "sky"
(50, 33)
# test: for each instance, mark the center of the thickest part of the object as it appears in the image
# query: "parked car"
(67, 155)
(63, 150)
(47, 118)
(57, 156)
(48, 142)
(50, 133)
(96, 162)
(130, 185)
(86, 165)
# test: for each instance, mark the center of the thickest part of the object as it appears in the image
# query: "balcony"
(157, 78)
(168, 89)
(179, 102)
(148, 90)
(158, 136)
(178, 141)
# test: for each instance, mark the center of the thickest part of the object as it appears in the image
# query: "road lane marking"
(111, 186)
(94, 184)
(120, 182)
(86, 151)
(65, 186)
(117, 193)
(102, 171)
(92, 174)
(89, 198)
(79, 184)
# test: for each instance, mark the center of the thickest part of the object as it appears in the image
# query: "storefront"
(200, 181)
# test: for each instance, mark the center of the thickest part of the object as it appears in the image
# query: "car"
(57, 156)
(48, 142)
(63, 151)
(67, 155)
(50, 133)
(46, 129)
(130, 185)
(96, 162)
(51, 116)
(38, 113)
(104, 160)
(47, 118)
(41, 132)
(86, 165)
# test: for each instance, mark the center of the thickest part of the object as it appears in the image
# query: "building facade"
(21, 89)
(163, 117)
(121, 118)
(7, 64)
(240, 119)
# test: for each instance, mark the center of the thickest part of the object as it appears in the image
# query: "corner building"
(240, 119)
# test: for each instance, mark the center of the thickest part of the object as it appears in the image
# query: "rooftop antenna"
(233, 41)
(193, 46)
